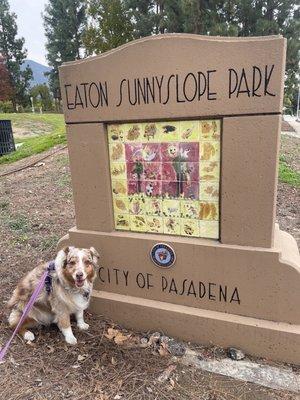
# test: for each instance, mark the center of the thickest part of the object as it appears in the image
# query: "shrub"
(6, 106)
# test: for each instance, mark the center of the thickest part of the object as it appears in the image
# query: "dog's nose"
(79, 275)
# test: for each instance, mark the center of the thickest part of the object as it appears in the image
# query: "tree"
(142, 13)
(13, 55)
(6, 89)
(250, 18)
(273, 17)
(64, 22)
(153, 17)
(110, 26)
(42, 97)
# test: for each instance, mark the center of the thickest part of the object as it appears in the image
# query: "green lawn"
(47, 130)
(287, 174)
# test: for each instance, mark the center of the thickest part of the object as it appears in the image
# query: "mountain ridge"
(38, 71)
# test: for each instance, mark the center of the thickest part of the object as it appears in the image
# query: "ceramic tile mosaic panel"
(165, 177)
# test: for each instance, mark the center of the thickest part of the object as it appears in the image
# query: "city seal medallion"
(162, 255)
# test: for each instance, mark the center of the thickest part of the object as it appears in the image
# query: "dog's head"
(77, 266)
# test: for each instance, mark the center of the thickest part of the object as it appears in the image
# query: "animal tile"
(137, 205)
(210, 130)
(122, 221)
(189, 131)
(154, 224)
(118, 170)
(171, 208)
(189, 227)
(119, 187)
(209, 170)
(150, 132)
(116, 133)
(168, 131)
(117, 151)
(172, 226)
(138, 223)
(208, 211)
(133, 133)
(189, 209)
(121, 205)
(154, 206)
(209, 191)
(210, 151)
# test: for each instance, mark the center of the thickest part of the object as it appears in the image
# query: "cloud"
(30, 26)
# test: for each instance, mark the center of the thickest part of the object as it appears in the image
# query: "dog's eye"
(71, 263)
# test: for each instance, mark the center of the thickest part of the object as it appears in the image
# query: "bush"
(6, 107)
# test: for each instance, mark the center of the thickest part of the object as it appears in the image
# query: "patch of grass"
(64, 180)
(49, 242)
(19, 223)
(36, 144)
(62, 160)
(287, 174)
(4, 204)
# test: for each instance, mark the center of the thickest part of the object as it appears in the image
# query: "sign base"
(220, 294)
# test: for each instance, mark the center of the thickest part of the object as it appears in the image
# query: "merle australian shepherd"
(71, 283)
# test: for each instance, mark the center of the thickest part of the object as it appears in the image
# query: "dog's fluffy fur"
(72, 283)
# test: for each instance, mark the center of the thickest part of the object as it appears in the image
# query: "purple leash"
(27, 308)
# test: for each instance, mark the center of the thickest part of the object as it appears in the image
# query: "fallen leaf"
(81, 357)
(166, 374)
(111, 333)
(113, 361)
(120, 338)
(163, 350)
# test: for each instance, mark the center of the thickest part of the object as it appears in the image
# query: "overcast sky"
(30, 26)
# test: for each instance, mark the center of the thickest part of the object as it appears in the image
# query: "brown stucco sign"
(173, 144)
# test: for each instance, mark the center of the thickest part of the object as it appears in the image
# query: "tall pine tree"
(109, 26)
(13, 55)
(155, 16)
(64, 22)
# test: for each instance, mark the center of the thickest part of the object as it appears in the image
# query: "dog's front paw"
(71, 339)
(83, 326)
(29, 336)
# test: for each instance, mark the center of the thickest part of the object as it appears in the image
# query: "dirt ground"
(36, 209)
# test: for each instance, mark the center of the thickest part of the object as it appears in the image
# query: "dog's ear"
(94, 254)
(61, 258)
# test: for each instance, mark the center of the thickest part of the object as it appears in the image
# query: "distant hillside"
(38, 71)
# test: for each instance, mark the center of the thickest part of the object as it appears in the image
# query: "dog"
(68, 292)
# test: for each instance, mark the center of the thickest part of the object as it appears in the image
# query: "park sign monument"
(173, 143)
